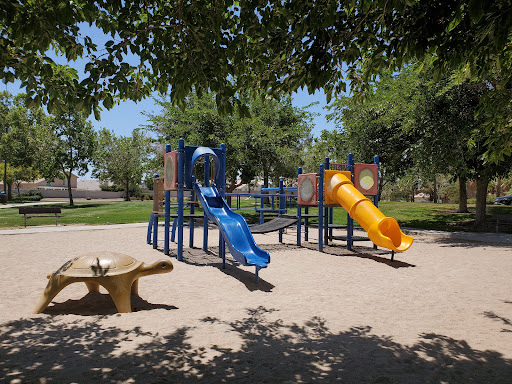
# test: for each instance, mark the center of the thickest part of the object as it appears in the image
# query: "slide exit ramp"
(233, 227)
(382, 231)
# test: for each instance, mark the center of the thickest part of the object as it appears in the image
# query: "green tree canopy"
(381, 125)
(268, 144)
(236, 47)
(19, 130)
(421, 127)
(66, 146)
(122, 160)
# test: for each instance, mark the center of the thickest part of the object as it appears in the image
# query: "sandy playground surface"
(441, 313)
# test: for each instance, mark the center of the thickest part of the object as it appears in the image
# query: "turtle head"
(160, 266)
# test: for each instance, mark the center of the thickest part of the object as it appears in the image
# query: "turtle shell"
(94, 265)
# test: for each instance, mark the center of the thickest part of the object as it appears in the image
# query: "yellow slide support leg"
(383, 231)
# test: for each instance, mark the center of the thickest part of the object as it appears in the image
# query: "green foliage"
(234, 48)
(28, 196)
(19, 128)
(66, 146)
(381, 124)
(332, 144)
(122, 160)
(111, 188)
(269, 142)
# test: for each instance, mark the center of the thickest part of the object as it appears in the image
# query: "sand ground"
(440, 313)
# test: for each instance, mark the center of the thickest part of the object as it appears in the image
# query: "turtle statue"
(118, 273)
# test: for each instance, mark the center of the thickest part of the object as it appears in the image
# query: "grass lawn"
(413, 215)
(85, 213)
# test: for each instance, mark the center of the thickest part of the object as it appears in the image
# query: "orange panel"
(171, 171)
(307, 189)
(366, 178)
(328, 175)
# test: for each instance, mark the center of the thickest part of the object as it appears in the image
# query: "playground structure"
(347, 185)
(335, 185)
(178, 176)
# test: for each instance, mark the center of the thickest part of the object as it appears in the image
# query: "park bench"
(29, 212)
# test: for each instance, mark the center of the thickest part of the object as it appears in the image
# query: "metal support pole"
(167, 213)
(205, 218)
(321, 208)
(326, 211)
(191, 223)
(222, 189)
(181, 175)
(262, 206)
(299, 212)
(376, 197)
(350, 221)
(282, 206)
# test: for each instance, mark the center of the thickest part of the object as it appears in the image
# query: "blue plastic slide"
(233, 227)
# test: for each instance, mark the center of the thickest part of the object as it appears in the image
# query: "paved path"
(67, 228)
(491, 238)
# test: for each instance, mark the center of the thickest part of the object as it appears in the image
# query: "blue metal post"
(222, 189)
(321, 208)
(326, 211)
(181, 175)
(376, 197)
(205, 218)
(306, 224)
(155, 226)
(299, 212)
(150, 228)
(262, 206)
(282, 206)
(192, 211)
(167, 212)
(350, 221)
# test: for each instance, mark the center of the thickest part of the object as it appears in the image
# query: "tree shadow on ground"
(378, 255)
(271, 351)
(505, 321)
(199, 257)
(444, 242)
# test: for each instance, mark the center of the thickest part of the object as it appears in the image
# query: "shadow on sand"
(48, 349)
(95, 303)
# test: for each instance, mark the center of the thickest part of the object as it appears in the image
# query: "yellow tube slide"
(383, 231)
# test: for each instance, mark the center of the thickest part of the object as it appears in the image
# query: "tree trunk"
(70, 193)
(9, 191)
(127, 190)
(463, 195)
(265, 183)
(434, 191)
(499, 185)
(481, 199)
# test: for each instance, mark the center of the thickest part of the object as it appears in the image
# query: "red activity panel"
(307, 189)
(365, 178)
(171, 171)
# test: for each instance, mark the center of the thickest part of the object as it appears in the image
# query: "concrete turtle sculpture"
(118, 273)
